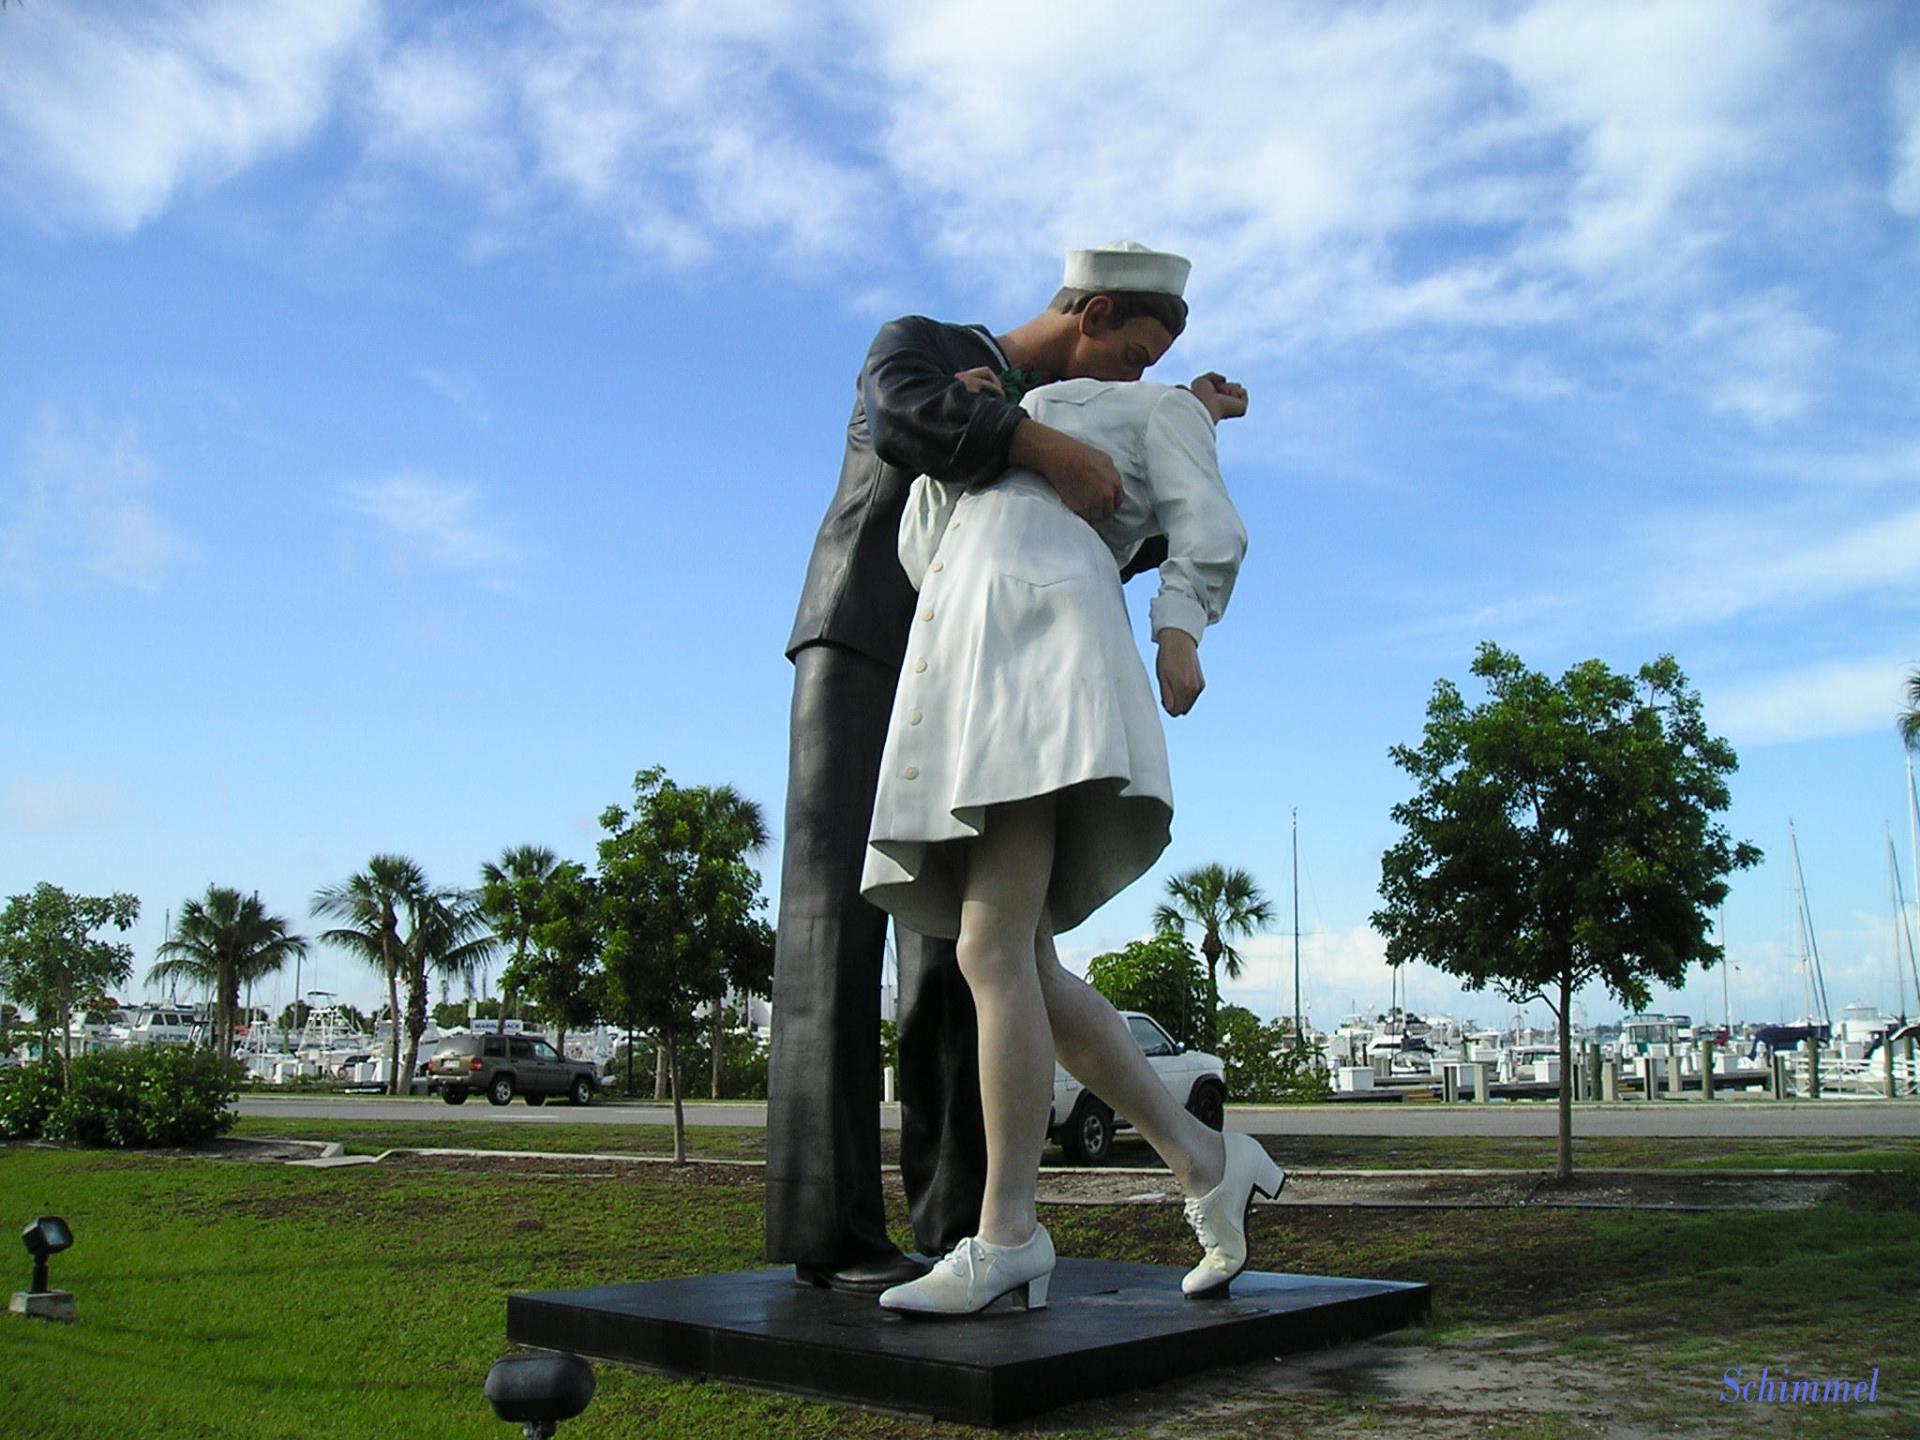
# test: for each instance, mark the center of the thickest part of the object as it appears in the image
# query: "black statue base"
(1107, 1328)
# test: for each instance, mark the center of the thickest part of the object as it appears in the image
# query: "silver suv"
(502, 1066)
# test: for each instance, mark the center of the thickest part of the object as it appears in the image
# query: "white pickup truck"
(1083, 1123)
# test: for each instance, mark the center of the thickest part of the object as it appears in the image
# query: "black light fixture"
(539, 1391)
(48, 1235)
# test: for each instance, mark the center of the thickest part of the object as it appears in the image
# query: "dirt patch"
(1454, 1391)
(594, 1167)
(1675, 1190)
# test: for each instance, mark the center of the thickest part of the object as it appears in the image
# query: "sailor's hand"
(982, 380)
(1178, 668)
(1223, 398)
(1083, 475)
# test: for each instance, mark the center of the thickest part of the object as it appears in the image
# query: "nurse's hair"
(1169, 310)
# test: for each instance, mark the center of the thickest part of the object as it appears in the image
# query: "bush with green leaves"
(153, 1095)
(1264, 1066)
(28, 1094)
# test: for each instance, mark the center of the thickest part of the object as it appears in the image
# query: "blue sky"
(418, 416)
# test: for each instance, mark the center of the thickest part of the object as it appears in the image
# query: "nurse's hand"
(1179, 670)
(1224, 399)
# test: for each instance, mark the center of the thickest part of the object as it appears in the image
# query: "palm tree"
(447, 934)
(1224, 903)
(510, 894)
(224, 941)
(371, 902)
(1908, 721)
(730, 810)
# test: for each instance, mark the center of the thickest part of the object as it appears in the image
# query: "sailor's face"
(1104, 351)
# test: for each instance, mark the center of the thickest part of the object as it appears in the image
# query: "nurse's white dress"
(1022, 676)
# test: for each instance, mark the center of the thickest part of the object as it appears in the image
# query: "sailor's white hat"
(1126, 265)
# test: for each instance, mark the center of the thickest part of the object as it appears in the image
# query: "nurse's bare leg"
(1092, 1041)
(1007, 872)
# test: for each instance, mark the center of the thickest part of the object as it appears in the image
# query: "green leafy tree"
(561, 969)
(746, 951)
(447, 934)
(1264, 1063)
(51, 959)
(1161, 976)
(370, 904)
(1561, 832)
(510, 893)
(223, 941)
(450, 1013)
(677, 894)
(1225, 904)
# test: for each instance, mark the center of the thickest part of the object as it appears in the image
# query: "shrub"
(28, 1095)
(156, 1095)
(1263, 1064)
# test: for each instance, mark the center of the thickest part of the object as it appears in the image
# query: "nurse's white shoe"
(1219, 1217)
(974, 1274)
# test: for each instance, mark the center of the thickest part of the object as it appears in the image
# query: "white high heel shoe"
(974, 1274)
(1219, 1218)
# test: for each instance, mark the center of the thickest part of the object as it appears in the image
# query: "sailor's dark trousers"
(823, 1108)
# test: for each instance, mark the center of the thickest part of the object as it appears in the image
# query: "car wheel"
(1089, 1134)
(1209, 1106)
(533, 1099)
(582, 1092)
(454, 1097)
(501, 1090)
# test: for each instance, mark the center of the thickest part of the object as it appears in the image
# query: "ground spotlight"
(48, 1235)
(539, 1391)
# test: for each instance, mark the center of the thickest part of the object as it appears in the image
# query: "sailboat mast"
(1818, 979)
(1299, 1034)
(1902, 926)
(1913, 850)
(1726, 995)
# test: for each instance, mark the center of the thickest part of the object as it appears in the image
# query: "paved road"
(1739, 1118)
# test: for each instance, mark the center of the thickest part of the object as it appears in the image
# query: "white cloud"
(678, 123)
(431, 521)
(1717, 565)
(1762, 354)
(1894, 460)
(109, 111)
(65, 803)
(1903, 186)
(1456, 176)
(1811, 702)
(82, 503)
(459, 391)
(1685, 567)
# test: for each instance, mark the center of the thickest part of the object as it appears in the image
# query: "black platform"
(1107, 1327)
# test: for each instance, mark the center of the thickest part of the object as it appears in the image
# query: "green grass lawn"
(230, 1299)
(1418, 1152)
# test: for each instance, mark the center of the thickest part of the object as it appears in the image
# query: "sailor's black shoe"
(863, 1277)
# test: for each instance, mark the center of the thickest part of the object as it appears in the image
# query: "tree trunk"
(66, 1038)
(1210, 948)
(659, 1071)
(416, 1027)
(1565, 1167)
(230, 1008)
(393, 1024)
(679, 1117)
(719, 1033)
